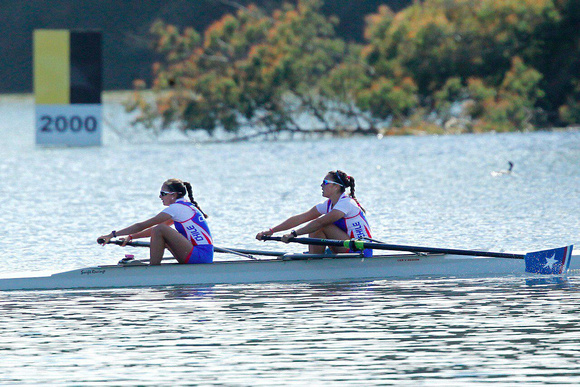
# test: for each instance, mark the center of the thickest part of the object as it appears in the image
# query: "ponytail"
(346, 182)
(181, 188)
(191, 199)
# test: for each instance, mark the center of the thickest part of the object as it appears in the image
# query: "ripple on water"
(381, 332)
(432, 191)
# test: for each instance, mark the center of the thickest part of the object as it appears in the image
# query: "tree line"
(125, 25)
(438, 66)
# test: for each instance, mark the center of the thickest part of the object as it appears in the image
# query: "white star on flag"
(550, 262)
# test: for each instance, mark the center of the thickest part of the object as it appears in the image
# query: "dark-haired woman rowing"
(340, 217)
(189, 242)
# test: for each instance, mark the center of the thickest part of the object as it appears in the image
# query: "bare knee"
(317, 234)
(159, 230)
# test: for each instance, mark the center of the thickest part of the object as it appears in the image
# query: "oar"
(553, 261)
(359, 245)
(148, 244)
(251, 252)
(131, 243)
(240, 252)
(234, 252)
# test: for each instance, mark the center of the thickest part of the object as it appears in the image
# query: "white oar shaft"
(224, 250)
(240, 252)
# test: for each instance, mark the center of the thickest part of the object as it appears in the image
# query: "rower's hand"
(262, 234)
(126, 240)
(286, 237)
(104, 239)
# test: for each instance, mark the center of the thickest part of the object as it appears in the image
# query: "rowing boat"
(286, 268)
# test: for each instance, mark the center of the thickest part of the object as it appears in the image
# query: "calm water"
(433, 191)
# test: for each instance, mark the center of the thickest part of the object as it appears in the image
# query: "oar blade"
(554, 261)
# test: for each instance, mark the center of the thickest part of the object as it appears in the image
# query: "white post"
(67, 87)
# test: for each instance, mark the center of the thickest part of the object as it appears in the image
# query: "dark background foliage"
(125, 25)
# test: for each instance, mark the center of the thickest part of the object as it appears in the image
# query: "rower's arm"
(147, 232)
(297, 220)
(320, 222)
(144, 225)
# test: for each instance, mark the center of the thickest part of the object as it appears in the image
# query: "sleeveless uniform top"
(189, 222)
(354, 223)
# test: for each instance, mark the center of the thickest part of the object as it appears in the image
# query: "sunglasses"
(163, 193)
(326, 182)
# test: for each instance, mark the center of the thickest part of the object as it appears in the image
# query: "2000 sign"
(73, 123)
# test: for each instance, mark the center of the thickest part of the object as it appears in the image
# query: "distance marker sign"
(67, 87)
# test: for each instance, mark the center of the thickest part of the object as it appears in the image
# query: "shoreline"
(119, 96)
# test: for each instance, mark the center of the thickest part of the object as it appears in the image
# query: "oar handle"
(357, 245)
(130, 243)
(352, 244)
(242, 252)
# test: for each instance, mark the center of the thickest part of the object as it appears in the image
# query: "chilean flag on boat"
(555, 261)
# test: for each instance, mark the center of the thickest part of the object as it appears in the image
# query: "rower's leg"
(312, 249)
(162, 235)
(331, 231)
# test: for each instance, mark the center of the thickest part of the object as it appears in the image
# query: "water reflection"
(421, 332)
(185, 293)
(541, 281)
(379, 332)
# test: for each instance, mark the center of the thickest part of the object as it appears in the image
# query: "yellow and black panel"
(85, 67)
(67, 67)
(52, 67)
(67, 85)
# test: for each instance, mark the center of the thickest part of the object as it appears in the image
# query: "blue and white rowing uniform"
(191, 223)
(354, 222)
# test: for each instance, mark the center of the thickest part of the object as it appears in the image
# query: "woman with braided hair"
(340, 217)
(189, 242)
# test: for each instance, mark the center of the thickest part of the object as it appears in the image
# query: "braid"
(191, 199)
(189, 191)
(352, 194)
(348, 181)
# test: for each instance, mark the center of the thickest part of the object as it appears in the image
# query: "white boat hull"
(398, 266)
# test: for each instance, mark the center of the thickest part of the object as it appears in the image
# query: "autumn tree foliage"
(248, 69)
(477, 64)
(484, 54)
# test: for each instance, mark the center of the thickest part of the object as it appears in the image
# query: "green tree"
(248, 69)
(489, 60)
(440, 45)
(512, 105)
(196, 86)
(570, 111)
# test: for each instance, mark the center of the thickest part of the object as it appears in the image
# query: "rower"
(189, 242)
(339, 217)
